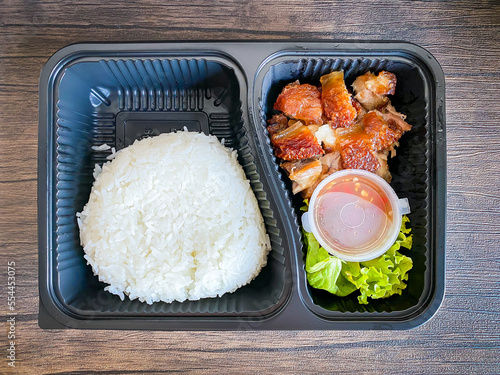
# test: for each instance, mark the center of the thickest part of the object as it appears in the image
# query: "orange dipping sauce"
(354, 216)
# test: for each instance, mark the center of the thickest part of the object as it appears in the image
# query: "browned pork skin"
(358, 133)
(277, 123)
(392, 116)
(296, 142)
(383, 170)
(371, 90)
(383, 133)
(301, 102)
(358, 153)
(302, 173)
(337, 105)
(330, 163)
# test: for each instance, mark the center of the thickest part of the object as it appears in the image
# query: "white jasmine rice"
(173, 217)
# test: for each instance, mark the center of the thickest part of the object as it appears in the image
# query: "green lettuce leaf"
(305, 207)
(324, 270)
(381, 277)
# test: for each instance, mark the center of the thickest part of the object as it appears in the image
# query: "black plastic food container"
(91, 94)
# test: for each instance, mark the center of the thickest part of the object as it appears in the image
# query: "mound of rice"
(173, 217)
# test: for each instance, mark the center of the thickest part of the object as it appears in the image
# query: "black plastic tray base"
(92, 94)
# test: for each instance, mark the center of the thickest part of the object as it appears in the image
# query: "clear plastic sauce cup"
(355, 215)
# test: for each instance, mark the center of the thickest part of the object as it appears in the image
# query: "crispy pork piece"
(301, 102)
(392, 116)
(277, 123)
(337, 105)
(382, 133)
(367, 144)
(314, 128)
(295, 143)
(360, 111)
(341, 132)
(371, 90)
(302, 173)
(330, 163)
(326, 137)
(358, 153)
(383, 170)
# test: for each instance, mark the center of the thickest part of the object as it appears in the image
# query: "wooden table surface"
(463, 337)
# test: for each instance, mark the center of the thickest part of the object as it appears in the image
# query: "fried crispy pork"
(330, 163)
(360, 111)
(358, 153)
(301, 102)
(383, 133)
(342, 132)
(277, 123)
(337, 105)
(383, 170)
(366, 145)
(326, 136)
(391, 115)
(295, 143)
(371, 90)
(302, 173)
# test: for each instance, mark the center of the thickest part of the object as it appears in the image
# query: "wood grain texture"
(463, 338)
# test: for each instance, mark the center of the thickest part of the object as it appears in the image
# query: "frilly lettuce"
(381, 277)
(324, 270)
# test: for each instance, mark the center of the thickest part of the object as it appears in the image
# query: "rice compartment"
(173, 218)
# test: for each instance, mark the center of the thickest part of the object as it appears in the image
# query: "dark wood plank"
(463, 337)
